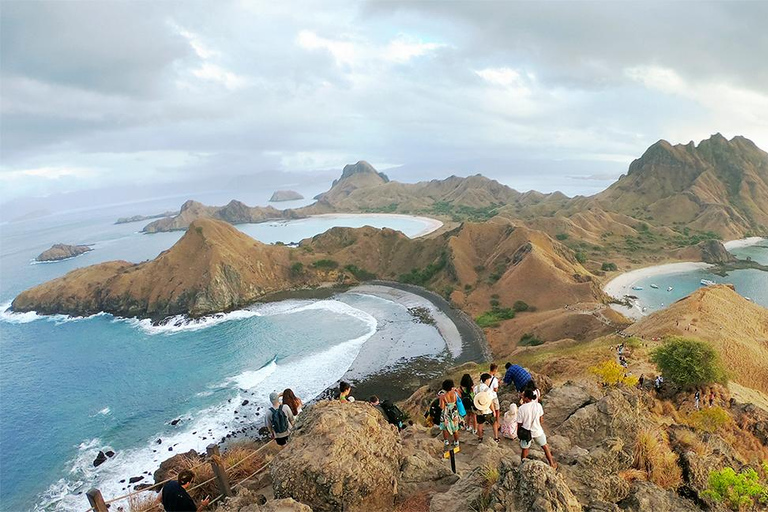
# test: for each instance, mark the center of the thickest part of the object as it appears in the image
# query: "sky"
(545, 95)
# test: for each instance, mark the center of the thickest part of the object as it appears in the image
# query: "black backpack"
(434, 412)
(279, 420)
(394, 415)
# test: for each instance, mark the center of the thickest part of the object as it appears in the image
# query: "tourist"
(280, 420)
(174, 496)
(712, 398)
(697, 398)
(376, 404)
(449, 420)
(494, 385)
(533, 387)
(529, 427)
(467, 398)
(344, 390)
(516, 374)
(292, 401)
(641, 381)
(509, 422)
(484, 406)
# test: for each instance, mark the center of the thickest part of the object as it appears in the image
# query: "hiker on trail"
(697, 397)
(391, 412)
(641, 381)
(484, 405)
(494, 385)
(280, 420)
(376, 404)
(292, 401)
(467, 397)
(533, 387)
(344, 390)
(509, 422)
(174, 496)
(518, 375)
(711, 398)
(449, 421)
(529, 427)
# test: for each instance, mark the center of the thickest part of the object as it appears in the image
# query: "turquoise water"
(748, 283)
(71, 387)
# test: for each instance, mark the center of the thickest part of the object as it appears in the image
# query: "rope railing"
(99, 505)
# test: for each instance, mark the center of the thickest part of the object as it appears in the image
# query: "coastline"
(743, 242)
(432, 224)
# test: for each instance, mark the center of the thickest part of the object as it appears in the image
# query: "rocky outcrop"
(234, 212)
(138, 218)
(342, 456)
(285, 195)
(645, 497)
(169, 468)
(533, 486)
(59, 252)
(713, 251)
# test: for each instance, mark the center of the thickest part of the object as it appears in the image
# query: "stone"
(646, 496)
(169, 468)
(100, 459)
(561, 402)
(109, 453)
(533, 486)
(175, 422)
(135, 479)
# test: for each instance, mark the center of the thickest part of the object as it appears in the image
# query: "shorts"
(486, 418)
(540, 440)
(281, 441)
(496, 406)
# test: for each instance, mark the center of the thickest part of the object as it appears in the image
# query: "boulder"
(100, 459)
(248, 501)
(614, 415)
(646, 496)
(594, 476)
(342, 456)
(169, 468)
(533, 486)
(464, 495)
(135, 479)
(562, 402)
(59, 252)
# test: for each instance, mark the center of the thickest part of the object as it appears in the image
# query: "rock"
(341, 456)
(245, 402)
(561, 402)
(713, 251)
(159, 441)
(175, 422)
(109, 453)
(646, 496)
(614, 415)
(535, 487)
(169, 468)
(135, 479)
(462, 496)
(285, 195)
(100, 459)
(141, 487)
(59, 252)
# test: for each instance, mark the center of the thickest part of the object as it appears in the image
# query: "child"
(449, 420)
(509, 422)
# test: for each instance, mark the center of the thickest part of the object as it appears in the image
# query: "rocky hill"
(234, 212)
(285, 195)
(59, 252)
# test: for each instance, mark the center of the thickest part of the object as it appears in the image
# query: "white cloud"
(215, 73)
(404, 48)
(505, 77)
(344, 52)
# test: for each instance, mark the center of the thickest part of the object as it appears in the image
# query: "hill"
(233, 212)
(737, 328)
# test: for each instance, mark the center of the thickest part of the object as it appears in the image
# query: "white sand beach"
(432, 225)
(743, 242)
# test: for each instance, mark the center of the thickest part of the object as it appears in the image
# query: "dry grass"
(145, 502)
(417, 502)
(490, 475)
(235, 454)
(691, 442)
(654, 457)
(632, 475)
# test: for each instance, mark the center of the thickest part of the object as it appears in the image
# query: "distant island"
(137, 218)
(285, 195)
(59, 252)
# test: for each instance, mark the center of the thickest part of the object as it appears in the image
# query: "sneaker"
(455, 444)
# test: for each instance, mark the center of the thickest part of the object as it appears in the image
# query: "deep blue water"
(71, 387)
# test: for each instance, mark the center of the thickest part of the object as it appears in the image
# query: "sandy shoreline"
(432, 224)
(743, 242)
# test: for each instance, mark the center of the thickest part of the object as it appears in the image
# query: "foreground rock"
(59, 252)
(285, 195)
(534, 487)
(342, 457)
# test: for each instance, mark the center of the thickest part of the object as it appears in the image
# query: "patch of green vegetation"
(530, 340)
(390, 208)
(297, 269)
(581, 257)
(199, 230)
(562, 236)
(608, 267)
(520, 306)
(495, 316)
(360, 273)
(326, 264)
(459, 213)
(738, 491)
(689, 363)
(421, 277)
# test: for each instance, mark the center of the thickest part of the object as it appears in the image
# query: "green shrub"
(581, 257)
(689, 363)
(494, 317)
(530, 340)
(297, 269)
(562, 236)
(709, 419)
(608, 267)
(325, 264)
(359, 273)
(421, 277)
(520, 306)
(495, 303)
(737, 490)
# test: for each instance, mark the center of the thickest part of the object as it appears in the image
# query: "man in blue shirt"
(518, 375)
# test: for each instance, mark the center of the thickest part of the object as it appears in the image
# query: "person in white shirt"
(529, 418)
(494, 385)
(484, 407)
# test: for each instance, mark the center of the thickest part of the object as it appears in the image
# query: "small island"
(59, 252)
(285, 195)
(137, 218)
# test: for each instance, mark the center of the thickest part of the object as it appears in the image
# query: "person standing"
(494, 385)
(292, 401)
(697, 398)
(529, 427)
(467, 397)
(280, 420)
(484, 405)
(174, 496)
(449, 420)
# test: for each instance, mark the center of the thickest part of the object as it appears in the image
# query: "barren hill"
(233, 212)
(737, 328)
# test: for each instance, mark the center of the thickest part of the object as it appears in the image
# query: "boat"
(707, 282)
(655, 286)
(669, 288)
(637, 288)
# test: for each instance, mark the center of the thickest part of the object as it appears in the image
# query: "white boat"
(669, 289)
(655, 286)
(637, 287)
(707, 282)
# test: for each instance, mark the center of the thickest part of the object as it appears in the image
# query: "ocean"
(70, 387)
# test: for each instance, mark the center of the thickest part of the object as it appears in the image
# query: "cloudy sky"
(108, 93)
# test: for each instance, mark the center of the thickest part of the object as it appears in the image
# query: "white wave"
(182, 323)
(13, 317)
(105, 411)
(252, 378)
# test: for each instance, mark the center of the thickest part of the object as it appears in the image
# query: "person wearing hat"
(280, 420)
(484, 405)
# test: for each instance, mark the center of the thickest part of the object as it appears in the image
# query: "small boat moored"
(655, 286)
(669, 289)
(637, 288)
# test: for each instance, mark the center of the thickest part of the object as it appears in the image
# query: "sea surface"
(748, 283)
(70, 387)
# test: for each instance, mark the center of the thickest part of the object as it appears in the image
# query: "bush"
(654, 457)
(608, 267)
(581, 257)
(562, 236)
(494, 317)
(520, 306)
(737, 490)
(297, 269)
(359, 273)
(709, 419)
(530, 340)
(326, 264)
(689, 363)
(611, 373)
(421, 277)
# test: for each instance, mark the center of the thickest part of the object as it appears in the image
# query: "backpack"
(279, 420)
(394, 415)
(434, 412)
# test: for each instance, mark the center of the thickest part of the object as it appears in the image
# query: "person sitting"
(509, 422)
(518, 375)
(529, 427)
(174, 496)
(344, 390)
(280, 420)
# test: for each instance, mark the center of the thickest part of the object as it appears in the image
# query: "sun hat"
(483, 401)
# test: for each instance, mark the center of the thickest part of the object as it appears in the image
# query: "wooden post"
(453, 460)
(222, 482)
(96, 500)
